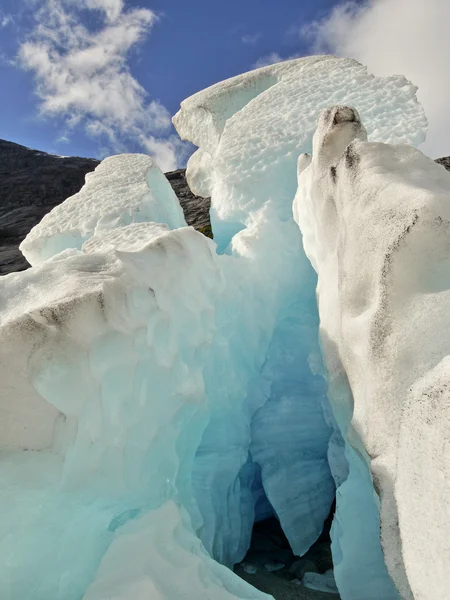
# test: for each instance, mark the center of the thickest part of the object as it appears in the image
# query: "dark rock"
(445, 162)
(320, 555)
(33, 182)
(261, 542)
(302, 566)
(195, 208)
(281, 589)
(270, 546)
(271, 530)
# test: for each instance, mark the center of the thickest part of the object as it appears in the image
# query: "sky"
(99, 77)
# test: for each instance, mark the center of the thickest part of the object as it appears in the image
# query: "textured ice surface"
(375, 219)
(169, 561)
(150, 384)
(222, 467)
(250, 130)
(128, 188)
(101, 346)
(289, 433)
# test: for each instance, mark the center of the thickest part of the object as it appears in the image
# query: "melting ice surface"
(154, 382)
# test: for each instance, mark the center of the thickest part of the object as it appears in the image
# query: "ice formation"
(375, 219)
(124, 189)
(160, 390)
(248, 163)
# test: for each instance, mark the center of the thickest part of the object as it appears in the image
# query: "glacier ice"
(155, 383)
(251, 129)
(249, 162)
(375, 223)
(128, 188)
(100, 344)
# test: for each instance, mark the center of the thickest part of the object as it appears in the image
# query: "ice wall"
(112, 343)
(150, 375)
(375, 219)
(247, 162)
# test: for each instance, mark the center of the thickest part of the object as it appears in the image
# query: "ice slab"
(169, 562)
(289, 434)
(118, 396)
(123, 189)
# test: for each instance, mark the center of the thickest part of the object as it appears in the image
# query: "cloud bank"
(78, 52)
(397, 36)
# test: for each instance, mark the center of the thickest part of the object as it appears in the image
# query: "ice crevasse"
(151, 378)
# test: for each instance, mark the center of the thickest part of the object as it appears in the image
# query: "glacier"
(162, 391)
(375, 219)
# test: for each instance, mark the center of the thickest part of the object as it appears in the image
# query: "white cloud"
(398, 36)
(5, 20)
(270, 59)
(62, 139)
(82, 72)
(250, 38)
(111, 8)
(164, 151)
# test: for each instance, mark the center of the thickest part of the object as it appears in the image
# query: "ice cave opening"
(271, 566)
(282, 533)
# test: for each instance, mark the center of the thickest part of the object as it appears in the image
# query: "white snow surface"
(375, 220)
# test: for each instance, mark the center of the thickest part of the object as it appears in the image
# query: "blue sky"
(96, 77)
(190, 45)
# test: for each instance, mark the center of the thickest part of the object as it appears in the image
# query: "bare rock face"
(195, 208)
(445, 162)
(33, 182)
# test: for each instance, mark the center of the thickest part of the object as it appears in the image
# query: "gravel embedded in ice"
(249, 568)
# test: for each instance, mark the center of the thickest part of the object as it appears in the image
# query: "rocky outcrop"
(33, 182)
(445, 162)
(195, 208)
